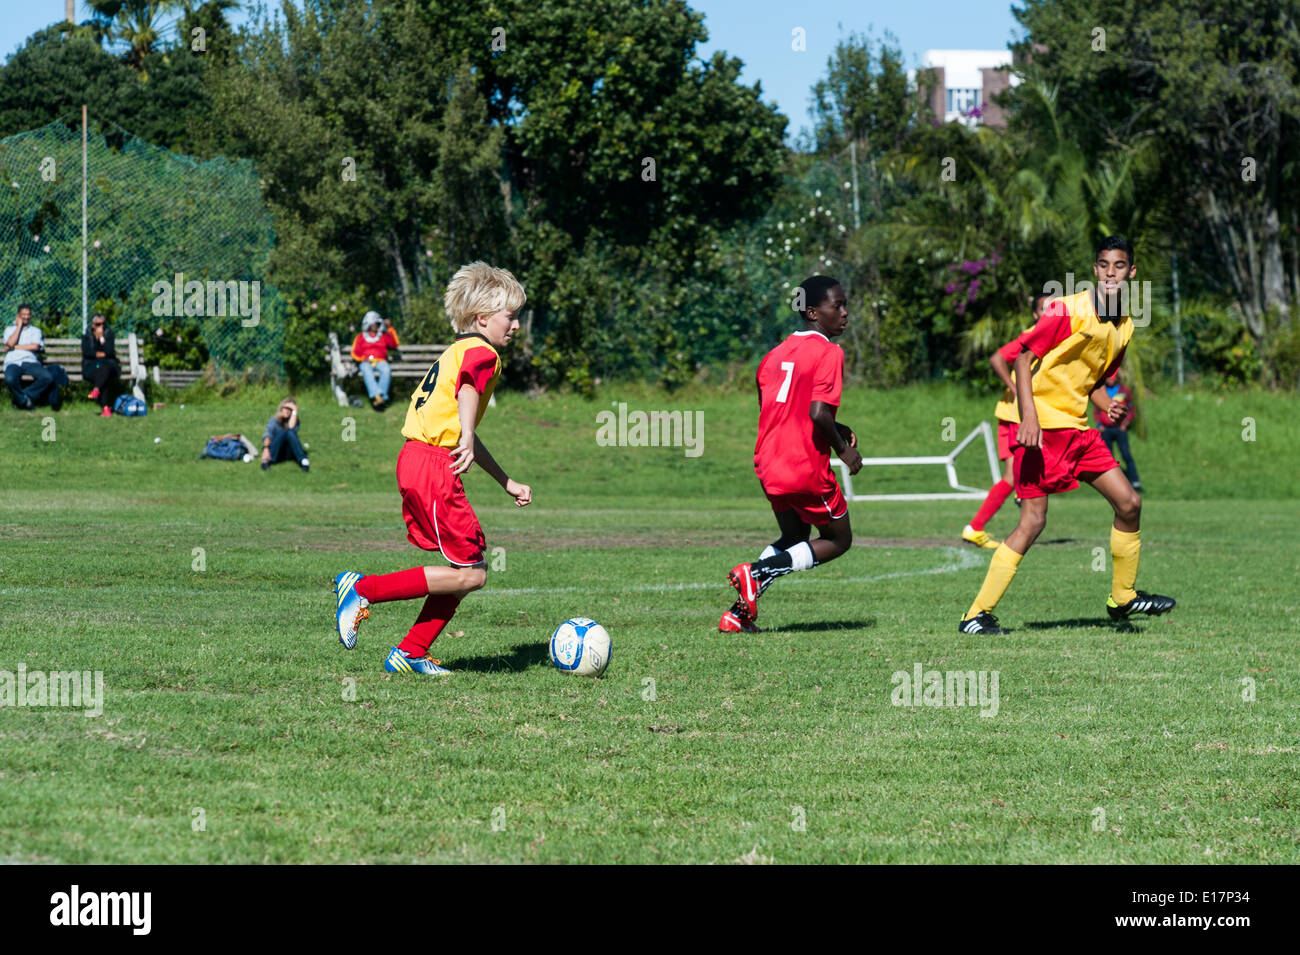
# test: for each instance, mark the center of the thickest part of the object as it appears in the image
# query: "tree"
(586, 147)
(1214, 86)
(341, 106)
(58, 70)
(53, 74)
(864, 98)
(623, 150)
(139, 24)
(994, 215)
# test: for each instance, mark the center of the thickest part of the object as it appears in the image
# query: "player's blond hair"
(479, 289)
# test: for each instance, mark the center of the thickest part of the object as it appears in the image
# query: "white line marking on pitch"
(965, 560)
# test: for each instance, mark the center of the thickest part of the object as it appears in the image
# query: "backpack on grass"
(130, 405)
(224, 449)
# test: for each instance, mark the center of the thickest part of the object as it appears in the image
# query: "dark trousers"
(101, 373)
(285, 446)
(1119, 437)
(43, 381)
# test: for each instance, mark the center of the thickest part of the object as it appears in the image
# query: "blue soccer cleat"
(399, 662)
(352, 608)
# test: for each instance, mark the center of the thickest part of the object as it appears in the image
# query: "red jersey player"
(441, 444)
(798, 394)
(1008, 421)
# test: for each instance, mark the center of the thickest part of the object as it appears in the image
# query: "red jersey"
(791, 455)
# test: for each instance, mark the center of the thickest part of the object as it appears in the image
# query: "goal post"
(959, 492)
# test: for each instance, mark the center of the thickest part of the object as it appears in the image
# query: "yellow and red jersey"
(434, 415)
(1075, 351)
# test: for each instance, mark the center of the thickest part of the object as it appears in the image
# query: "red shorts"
(813, 507)
(1006, 438)
(434, 506)
(1055, 467)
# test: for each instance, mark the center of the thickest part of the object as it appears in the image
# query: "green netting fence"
(152, 216)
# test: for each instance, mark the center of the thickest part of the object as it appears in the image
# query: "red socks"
(403, 585)
(997, 495)
(407, 585)
(437, 610)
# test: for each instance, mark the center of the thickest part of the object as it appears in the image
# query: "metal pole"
(1178, 327)
(853, 160)
(85, 282)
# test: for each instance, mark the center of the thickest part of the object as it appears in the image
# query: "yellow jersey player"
(441, 444)
(1077, 344)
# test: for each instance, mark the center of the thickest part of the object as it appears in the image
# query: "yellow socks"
(1124, 549)
(1001, 569)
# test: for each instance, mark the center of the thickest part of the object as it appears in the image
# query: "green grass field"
(236, 729)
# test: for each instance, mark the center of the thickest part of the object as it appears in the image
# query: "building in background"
(965, 82)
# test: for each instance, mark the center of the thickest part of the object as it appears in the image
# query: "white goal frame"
(959, 492)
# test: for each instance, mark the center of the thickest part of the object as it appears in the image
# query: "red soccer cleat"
(731, 623)
(742, 579)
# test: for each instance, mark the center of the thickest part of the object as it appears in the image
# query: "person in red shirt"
(1008, 421)
(370, 352)
(799, 385)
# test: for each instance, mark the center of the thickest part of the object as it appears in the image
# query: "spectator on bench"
(370, 352)
(23, 345)
(280, 443)
(99, 364)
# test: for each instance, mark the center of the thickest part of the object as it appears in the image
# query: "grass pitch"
(236, 729)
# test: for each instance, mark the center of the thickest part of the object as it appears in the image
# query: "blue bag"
(224, 449)
(130, 405)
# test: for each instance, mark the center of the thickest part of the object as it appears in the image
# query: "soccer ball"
(581, 646)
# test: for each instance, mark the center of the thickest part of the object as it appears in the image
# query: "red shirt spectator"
(368, 345)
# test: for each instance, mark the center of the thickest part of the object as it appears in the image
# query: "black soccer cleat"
(982, 622)
(1152, 604)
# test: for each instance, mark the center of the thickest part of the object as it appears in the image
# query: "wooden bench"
(67, 352)
(175, 377)
(414, 363)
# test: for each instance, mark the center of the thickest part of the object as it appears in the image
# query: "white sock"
(768, 551)
(801, 556)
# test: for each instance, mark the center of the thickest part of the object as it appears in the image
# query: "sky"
(756, 31)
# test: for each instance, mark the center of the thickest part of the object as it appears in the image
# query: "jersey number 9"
(427, 386)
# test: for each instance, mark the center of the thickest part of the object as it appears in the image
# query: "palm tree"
(1028, 194)
(139, 24)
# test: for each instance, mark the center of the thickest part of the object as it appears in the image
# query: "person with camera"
(370, 352)
(23, 344)
(99, 364)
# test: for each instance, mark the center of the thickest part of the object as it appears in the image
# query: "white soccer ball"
(582, 647)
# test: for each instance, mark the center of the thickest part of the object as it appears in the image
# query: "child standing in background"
(1116, 435)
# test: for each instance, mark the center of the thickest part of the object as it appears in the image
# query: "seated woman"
(370, 352)
(99, 364)
(280, 443)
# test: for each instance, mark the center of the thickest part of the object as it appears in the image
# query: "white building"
(965, 83)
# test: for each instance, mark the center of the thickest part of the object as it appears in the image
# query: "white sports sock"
(801, 556)
(768, 551)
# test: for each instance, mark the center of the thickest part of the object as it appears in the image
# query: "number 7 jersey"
(434, 415)
(791, 456)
